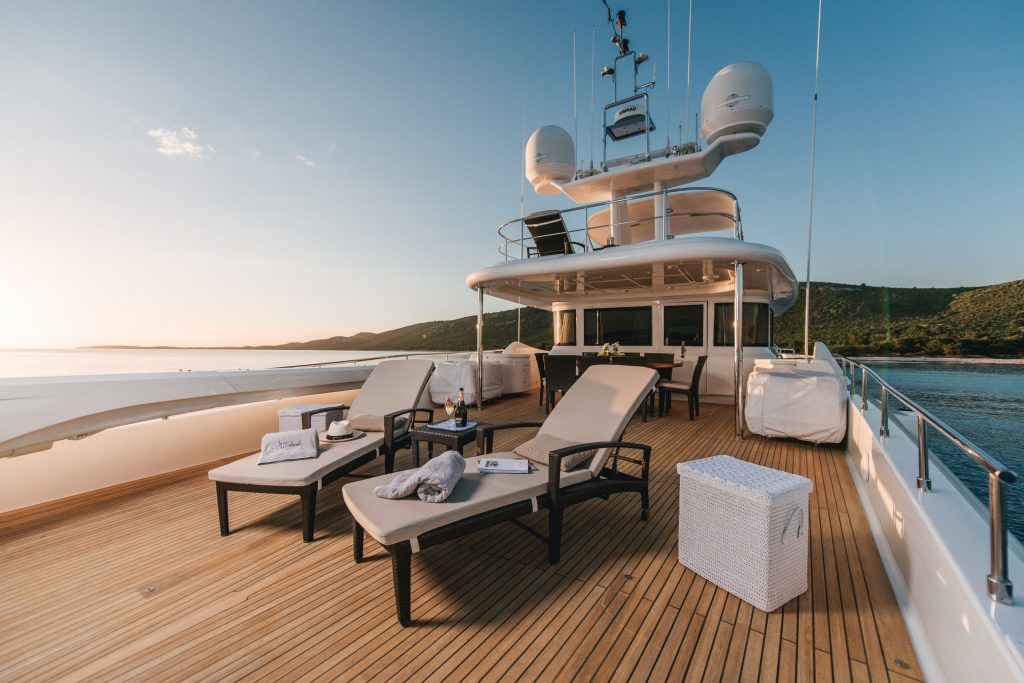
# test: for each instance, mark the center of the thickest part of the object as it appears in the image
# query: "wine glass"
(449, 407)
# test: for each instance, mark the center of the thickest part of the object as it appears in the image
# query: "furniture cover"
(799, 399)
(448, 377)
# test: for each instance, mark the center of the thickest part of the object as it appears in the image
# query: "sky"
(228, 173)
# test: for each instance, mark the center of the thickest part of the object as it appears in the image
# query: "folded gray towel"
(433, 482)
(300, 444)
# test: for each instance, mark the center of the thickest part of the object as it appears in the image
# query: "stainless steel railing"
(366, 359)
(998, 583)
(514, 247)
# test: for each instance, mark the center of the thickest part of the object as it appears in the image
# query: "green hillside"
(862, 320)
(851, 319)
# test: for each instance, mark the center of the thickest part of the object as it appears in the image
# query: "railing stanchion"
(883, 429)
(1000, 588)
(863, 387)
(924, 481)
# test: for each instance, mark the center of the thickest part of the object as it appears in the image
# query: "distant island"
(854, 320)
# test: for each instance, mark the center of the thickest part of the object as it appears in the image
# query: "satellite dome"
(550, 158)
(737, 100)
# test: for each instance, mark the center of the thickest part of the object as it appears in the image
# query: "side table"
(445, 437)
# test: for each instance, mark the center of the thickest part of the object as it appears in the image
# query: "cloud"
(183, 142)
(305, 161)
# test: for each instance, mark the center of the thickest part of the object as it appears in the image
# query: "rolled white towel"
(433, 482)
(301, 444)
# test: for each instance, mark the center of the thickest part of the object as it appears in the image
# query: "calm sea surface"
(107, 361)
(985, 403)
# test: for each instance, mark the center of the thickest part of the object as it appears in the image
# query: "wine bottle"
(461, 412)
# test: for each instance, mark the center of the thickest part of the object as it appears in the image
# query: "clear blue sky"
(254, 172)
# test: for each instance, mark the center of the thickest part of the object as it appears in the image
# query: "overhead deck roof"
(658, 268)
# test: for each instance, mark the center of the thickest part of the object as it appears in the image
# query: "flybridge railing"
(998, 583)
(517, 243)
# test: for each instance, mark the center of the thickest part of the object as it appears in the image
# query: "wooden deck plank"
(134, 582)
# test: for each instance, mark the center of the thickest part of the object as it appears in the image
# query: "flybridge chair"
(550, 236)
(596, 411)
(386, 401)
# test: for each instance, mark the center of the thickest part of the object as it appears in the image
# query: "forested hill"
(851, 319)
(862, 320)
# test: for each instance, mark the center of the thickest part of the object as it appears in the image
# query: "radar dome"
(550, 157)
(737, 100)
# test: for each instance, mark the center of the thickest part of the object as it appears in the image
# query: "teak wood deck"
(136, 583)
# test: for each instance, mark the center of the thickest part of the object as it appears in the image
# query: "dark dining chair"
(664, 374)
(540, 369)
(560, 375)
(691, 389)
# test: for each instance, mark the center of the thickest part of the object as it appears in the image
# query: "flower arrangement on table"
(610, 350)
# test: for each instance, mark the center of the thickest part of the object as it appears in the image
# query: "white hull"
(936, 549)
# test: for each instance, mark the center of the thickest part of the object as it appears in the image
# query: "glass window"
(565, 328)
(684, 324)
(628, 326)
(756, 325)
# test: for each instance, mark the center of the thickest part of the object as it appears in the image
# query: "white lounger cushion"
(596, 408)
(394, 521)
(393, 385)
(599, 406)
(296, 472)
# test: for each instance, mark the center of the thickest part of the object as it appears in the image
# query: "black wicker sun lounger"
(391, 392)
(592, 416)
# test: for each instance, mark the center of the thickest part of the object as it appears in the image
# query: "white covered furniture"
(392, 391)
(593, 414)
(519, 372)
(798, 398)
(448, 377)
(744, 527)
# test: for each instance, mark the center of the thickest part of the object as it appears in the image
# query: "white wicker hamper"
(744, 527)
(290, 418)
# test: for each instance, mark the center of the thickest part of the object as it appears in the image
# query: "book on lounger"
(503, 465)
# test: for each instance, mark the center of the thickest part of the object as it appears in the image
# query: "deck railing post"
(883, 429)
(1000, 588)
(863, 387)
(924, 481)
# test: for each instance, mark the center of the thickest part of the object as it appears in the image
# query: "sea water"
(985, 403)
(48, 363)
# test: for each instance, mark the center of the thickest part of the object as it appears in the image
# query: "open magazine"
(504, 465)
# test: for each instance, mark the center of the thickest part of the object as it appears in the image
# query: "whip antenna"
(668, 74)
(575, 124)
(689, 57)
(522, 195)
(810, 201)
(593, 34)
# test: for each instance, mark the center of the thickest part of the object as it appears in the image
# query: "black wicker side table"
(444, 437)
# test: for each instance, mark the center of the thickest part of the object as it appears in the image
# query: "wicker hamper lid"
(753, 482)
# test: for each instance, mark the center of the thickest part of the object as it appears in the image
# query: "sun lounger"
(593, 414)
(391, 392)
